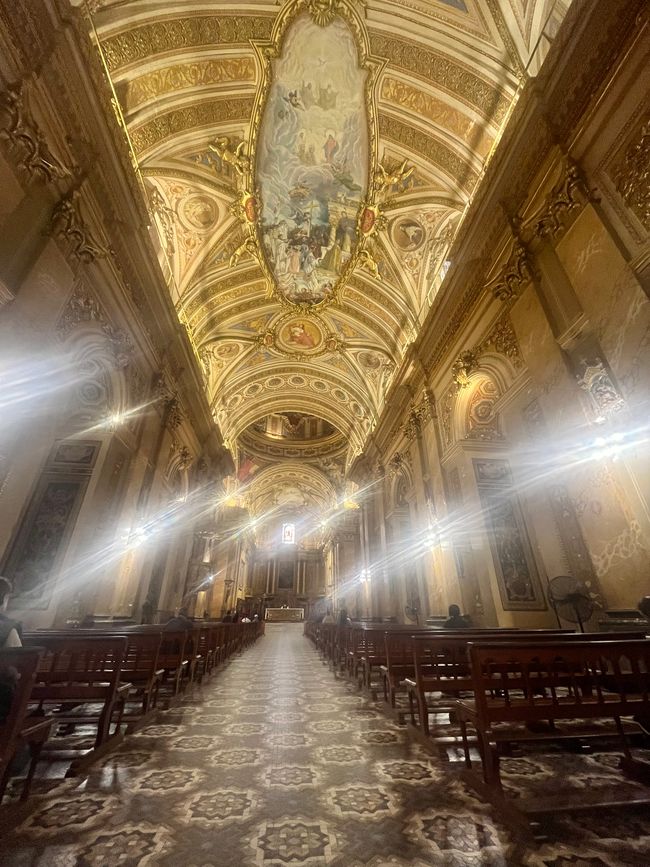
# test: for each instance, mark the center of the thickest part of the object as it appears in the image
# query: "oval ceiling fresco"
(312, 160)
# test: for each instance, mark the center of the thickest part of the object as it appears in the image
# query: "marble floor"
(275, 761)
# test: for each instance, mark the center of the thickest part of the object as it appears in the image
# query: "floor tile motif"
(276, 762)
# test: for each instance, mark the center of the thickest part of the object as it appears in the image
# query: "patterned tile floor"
(276, 762)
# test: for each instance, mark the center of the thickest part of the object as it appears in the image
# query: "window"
(289, 534)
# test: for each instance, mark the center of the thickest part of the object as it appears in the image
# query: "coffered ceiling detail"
(202, 85)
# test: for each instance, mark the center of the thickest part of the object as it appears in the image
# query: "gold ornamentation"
(247, 248)
(462, 368)
(445, 73)
(632, 178)
(384, 180)
(367, 261)
(198, 114)
(324, 11)
(431, 148)
(172, 79)
(172, 35)
(300, 337)
(430, 108)
(236, 157)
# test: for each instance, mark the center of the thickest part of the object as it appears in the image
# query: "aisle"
(275, 762)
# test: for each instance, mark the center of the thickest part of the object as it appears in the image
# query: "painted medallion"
(312, 160)
(300, 335)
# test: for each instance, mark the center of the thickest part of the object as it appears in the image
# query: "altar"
(284, 615)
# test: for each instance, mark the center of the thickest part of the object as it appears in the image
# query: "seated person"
(10, 630)
(180, 621)
(456, 620)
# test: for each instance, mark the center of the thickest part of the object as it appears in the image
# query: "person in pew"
(180, 621)
(227, 618)
(10, 630)
(235, 616)
(456, 620)
(256, 618)
(343, 619)
(329, 617)
(10, 636)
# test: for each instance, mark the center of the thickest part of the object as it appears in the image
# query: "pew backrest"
(523, 681)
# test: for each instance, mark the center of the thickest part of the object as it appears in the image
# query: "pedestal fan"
(570, 600)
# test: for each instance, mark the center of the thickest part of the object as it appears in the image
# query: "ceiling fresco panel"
(312, 159)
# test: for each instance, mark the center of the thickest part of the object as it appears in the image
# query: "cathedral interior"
(318, 318)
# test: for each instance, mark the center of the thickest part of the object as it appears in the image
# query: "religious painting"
(285, 575)
(48, 522)
(515, 566)
(78, 453)
(407, 234)
(198, 212)
(312, 160)
(300, 334)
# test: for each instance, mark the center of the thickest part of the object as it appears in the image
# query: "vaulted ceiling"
(440, 79)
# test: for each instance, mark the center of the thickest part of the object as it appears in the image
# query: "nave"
(277, 761)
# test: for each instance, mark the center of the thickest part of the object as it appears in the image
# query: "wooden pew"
(369, 649)
(77, 672)
(139, 667)
(398, 661)
(440, 665)
(515, 683)
(18, 667)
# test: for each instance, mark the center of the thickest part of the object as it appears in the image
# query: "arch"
(475, 416)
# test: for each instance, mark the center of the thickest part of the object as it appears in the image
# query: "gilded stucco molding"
(208, 113)
(175, 34)
(429, 147)
(445, 73)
